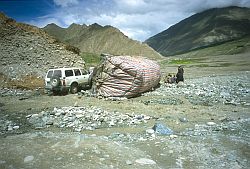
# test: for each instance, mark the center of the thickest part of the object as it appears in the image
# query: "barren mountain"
(100, 39)
(208, 28)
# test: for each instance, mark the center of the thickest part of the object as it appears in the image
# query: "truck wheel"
(74, 88)
(55, 81)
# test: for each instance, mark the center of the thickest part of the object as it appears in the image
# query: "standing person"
(179, 75)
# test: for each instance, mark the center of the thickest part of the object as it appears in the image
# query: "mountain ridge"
(204, 29)
(100, 39)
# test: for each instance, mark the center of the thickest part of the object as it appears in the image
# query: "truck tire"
(74, 88)
(55, 81)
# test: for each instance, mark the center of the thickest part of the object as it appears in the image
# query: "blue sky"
(25, 10)
(138, 19)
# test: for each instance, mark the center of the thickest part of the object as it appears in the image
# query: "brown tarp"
(125, 76)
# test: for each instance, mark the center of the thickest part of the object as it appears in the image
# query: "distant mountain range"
(208, 28)
(100, 39)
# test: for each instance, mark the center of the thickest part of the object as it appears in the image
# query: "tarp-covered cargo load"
(125, 76)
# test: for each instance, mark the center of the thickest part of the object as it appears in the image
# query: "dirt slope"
(27, 50)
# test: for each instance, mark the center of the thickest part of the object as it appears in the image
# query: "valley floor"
(208, 114)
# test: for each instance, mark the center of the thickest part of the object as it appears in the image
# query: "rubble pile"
(206, 91)
(84, 118)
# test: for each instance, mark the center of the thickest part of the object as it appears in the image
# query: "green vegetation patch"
(182, 61)
(91, 59)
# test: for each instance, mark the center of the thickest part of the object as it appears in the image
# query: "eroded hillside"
(27, 50)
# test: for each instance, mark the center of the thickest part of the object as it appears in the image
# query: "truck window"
(49, 74)
(77, 72)
(68, 73)
(58, 73)
(84, 72)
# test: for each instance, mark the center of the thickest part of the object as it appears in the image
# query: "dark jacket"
(179, 75)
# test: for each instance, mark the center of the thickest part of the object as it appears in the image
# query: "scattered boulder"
(28, 159)
(160, 128)
(145, 161)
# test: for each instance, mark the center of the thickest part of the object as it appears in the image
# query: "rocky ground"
(27, 50)
(204, 123)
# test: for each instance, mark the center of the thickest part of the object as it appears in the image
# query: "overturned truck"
(125, 76)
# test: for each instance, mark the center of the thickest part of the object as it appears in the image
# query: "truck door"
(82, 77)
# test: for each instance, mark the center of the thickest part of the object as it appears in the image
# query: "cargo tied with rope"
(125, 76)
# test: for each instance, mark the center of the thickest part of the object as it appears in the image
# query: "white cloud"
(43, 21)
(66, 3)
(138, 19)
